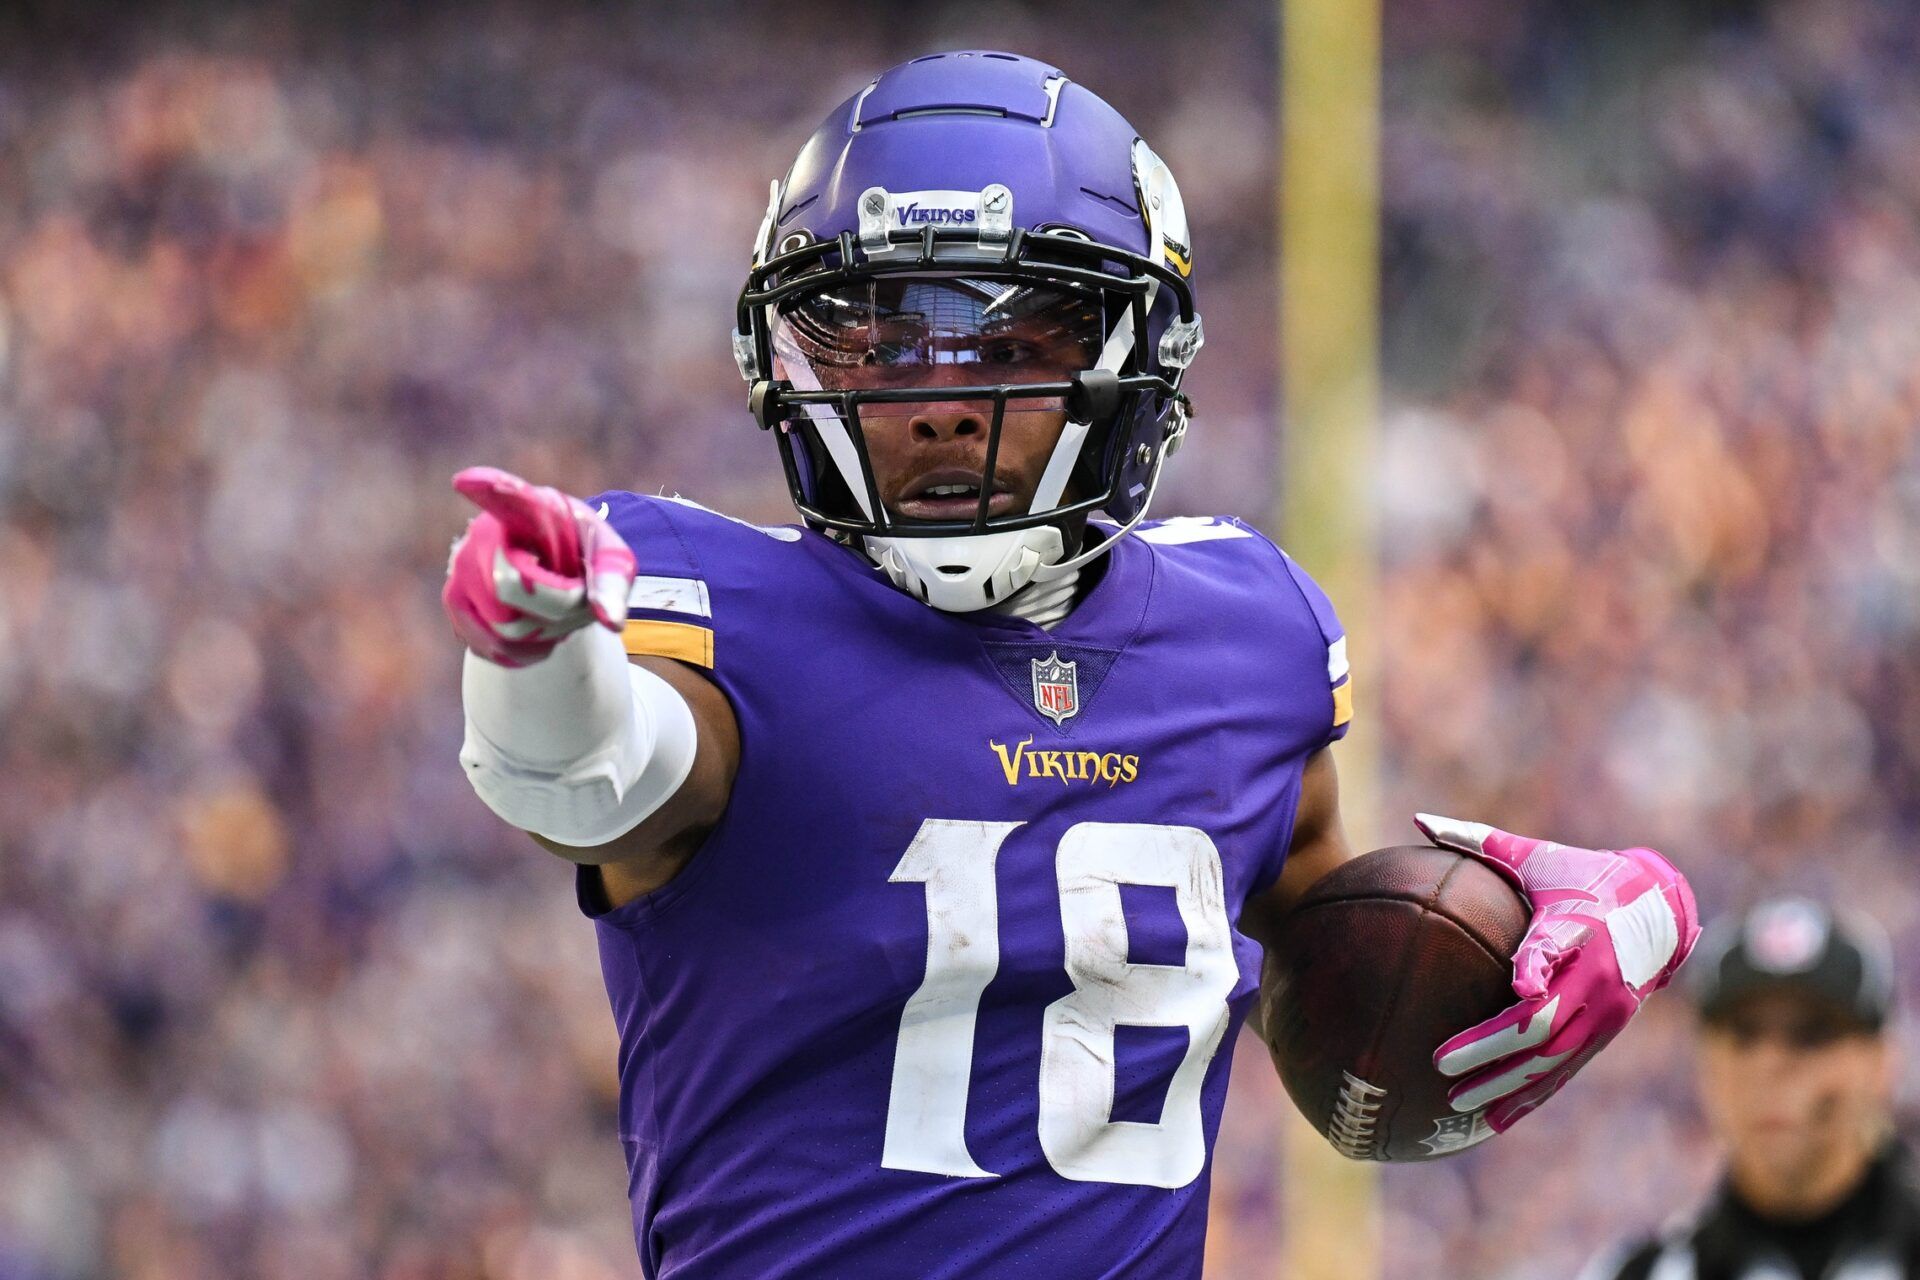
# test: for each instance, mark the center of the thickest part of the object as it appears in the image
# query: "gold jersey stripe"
(1342, 702)
(681, 641)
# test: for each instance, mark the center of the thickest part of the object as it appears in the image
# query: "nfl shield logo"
(1056, 688)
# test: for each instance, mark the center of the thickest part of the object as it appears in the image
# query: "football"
(1383, 960)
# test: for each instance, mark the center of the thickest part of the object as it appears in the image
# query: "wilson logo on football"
(1021, 762)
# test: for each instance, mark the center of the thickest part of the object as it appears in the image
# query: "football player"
(931, 844)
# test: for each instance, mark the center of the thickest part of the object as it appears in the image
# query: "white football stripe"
(671, 595)
(1336, 660)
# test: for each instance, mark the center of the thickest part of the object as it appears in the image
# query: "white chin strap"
(968, 573)
(978, 570)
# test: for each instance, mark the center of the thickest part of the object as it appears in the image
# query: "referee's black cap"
(1798, 944)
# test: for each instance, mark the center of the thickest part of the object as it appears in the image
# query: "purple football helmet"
(958, 198)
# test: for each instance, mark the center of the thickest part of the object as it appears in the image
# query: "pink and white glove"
(1609, 929)
(532, 568)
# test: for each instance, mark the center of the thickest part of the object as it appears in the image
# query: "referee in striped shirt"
(1796, 1080)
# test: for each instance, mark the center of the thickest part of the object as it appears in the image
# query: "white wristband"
(579, 748)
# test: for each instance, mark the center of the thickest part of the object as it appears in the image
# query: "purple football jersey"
(950, 990)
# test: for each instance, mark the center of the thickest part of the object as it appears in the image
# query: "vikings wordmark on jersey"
(945, 993)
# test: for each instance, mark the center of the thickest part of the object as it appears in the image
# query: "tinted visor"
(901, 332)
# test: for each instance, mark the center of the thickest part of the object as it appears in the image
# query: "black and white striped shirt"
(1874, 1234)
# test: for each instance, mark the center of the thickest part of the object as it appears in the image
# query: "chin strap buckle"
(1176, 429)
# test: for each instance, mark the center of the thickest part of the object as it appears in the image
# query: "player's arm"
(1319, 844)
(1319, 839)
(645, 857)
(610, 763)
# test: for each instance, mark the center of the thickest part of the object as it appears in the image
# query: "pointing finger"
(537, 518)
(484, 485)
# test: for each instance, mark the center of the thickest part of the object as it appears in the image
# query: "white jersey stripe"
(670, 595)
(1337, 660)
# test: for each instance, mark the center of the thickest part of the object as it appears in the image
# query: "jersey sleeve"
(1339, 674)
(670, 607)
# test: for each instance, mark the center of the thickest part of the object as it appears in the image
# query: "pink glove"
(1609, 929)
(534, 566)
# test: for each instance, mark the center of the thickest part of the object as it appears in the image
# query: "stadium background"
(278, 998)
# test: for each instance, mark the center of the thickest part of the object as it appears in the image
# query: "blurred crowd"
(279, 998)
(1650, 499)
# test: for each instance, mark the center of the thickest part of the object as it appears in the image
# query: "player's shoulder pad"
(685, 557)
(1231, 536)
